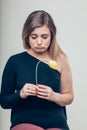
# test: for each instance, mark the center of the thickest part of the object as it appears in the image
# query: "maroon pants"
(26, 126)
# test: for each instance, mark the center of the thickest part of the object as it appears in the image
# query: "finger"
(29, 91)
(43, 90)
(31, 87)
(37, 88)
(42, 86)
(44, 94)
(43, 97)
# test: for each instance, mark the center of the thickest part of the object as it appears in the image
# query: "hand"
(28, 90)
(45, 92)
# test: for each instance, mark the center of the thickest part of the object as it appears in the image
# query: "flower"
(52, 64)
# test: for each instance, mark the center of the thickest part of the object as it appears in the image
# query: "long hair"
(38, 19)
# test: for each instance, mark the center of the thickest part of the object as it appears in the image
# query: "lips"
(39, 47)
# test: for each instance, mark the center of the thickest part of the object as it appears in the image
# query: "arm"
(8, 95)
(65, 97)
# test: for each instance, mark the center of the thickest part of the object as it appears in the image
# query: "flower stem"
(37, 71)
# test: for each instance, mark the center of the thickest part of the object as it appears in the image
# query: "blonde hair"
(37, 19)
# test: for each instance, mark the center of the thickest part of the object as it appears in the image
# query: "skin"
(39, 42)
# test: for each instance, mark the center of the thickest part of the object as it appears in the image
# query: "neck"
(40, 56)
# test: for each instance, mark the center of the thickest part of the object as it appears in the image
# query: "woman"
(36, 93)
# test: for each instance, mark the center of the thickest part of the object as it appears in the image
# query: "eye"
(44, 36)
(33, 36)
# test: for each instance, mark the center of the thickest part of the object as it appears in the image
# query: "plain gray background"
(70, 17)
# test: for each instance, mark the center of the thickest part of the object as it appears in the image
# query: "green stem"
(37, 71)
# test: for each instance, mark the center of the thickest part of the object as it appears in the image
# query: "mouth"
(39, 48)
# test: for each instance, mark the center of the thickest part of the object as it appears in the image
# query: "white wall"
(70, 17)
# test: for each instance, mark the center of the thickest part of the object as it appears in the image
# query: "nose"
(39, 41)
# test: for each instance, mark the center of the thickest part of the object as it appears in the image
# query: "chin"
(40, 51)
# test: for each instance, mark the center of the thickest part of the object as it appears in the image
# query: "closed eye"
(44, 36)
(34, 36)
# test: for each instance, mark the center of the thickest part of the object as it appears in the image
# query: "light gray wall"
(70, 17)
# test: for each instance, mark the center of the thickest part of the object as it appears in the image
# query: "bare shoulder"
(63, 58)
(63, 62)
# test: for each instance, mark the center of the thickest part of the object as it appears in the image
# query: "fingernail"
(36, 91)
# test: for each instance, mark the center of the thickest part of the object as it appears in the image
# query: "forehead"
(41, 30)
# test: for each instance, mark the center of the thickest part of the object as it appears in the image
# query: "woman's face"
(39, 39)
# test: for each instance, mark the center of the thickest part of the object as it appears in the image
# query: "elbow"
(70, 100)
(4, 104)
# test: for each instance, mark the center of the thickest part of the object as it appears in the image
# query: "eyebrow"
(41, 34)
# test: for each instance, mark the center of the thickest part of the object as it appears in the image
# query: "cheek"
(47, 43)
(31, 42)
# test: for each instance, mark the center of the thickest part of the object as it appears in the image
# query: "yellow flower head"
(53, 64)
